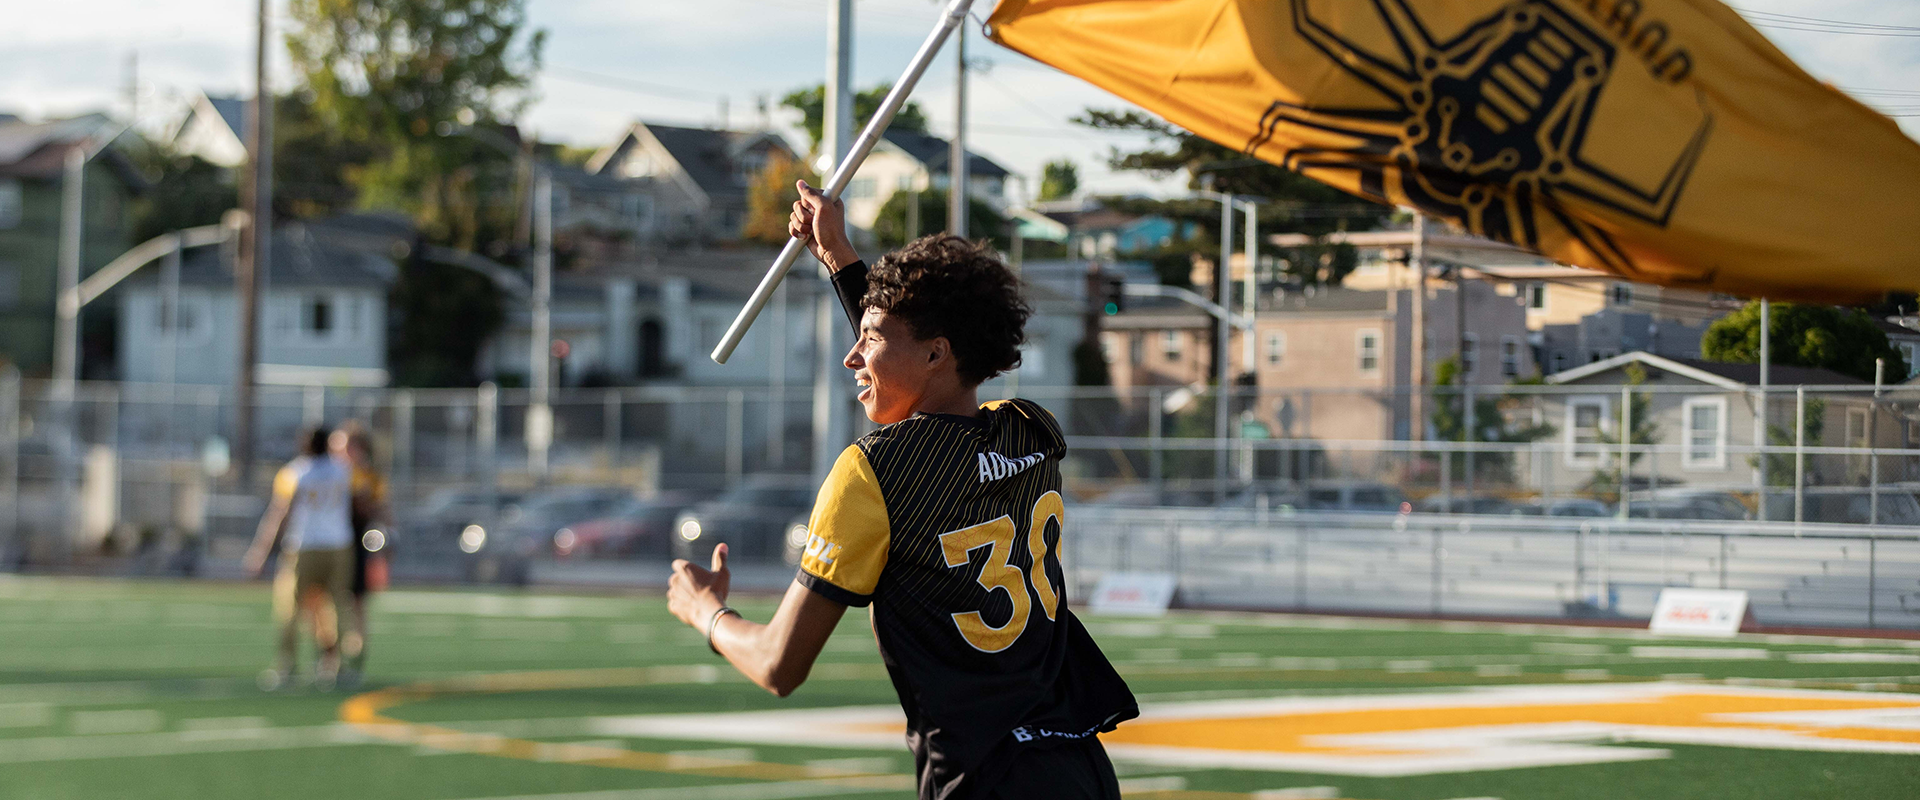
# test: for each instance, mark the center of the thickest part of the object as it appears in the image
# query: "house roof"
(1716, 373)
(233, 112)
(297, 258)
(39, 149)
(935, 152)
(706, 155)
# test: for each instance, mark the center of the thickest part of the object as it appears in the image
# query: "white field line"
(136, 745)
(1311, 622)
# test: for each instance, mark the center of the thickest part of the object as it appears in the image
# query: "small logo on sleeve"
(994, 466)
(821, 550)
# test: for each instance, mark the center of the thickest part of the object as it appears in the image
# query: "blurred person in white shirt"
(310, 521)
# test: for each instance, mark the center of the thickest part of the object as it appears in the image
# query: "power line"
(1838, 26)
(629, 84)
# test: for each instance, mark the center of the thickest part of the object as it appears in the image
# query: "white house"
(322, 322)
(695, 179)
(909, 161)
(214, 129)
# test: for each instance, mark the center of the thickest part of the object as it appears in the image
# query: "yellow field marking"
(366, 712)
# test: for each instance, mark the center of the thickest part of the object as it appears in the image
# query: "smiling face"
(894, 371)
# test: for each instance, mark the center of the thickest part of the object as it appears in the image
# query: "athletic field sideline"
(147, 690)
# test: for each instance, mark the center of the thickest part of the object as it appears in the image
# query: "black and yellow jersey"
(950, 528)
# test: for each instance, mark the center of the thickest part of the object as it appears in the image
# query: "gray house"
(1703, 416)
(695, 179)
(323, 319)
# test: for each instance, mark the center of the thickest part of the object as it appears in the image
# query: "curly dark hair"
(944, 285)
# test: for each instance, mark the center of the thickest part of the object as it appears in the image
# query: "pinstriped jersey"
(950, 527)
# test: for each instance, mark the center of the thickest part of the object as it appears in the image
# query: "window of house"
(1469, 353)
(12, 204)
(1170, 345)
(860, 188)
(1509, 356)
(1559, 361)
(1706, 432)
(1276, 348)
(637, 208)
(906, 183)
(1033, 359)
(1622, 294)
(1587, 422)
(1537, 296)
(1368, 347)
(317, 316)
(1912, 353)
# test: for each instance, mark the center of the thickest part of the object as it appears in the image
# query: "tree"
(1844, 340)
(1059, 180)
(1612, 475)
(770, 199)
(811, 102)
(1490, 424)
(890, 227)
(400, 76)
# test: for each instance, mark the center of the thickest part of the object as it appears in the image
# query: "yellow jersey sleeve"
(847, 535)
(285, 484)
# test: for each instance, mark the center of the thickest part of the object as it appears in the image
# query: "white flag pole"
(843, 172)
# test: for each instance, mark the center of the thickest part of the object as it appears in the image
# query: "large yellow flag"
(1660, 140)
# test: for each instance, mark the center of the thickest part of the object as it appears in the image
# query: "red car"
(639, 528)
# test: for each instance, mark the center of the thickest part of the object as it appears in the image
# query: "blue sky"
(62, 58)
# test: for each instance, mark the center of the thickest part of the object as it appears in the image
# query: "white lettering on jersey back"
(994, 466)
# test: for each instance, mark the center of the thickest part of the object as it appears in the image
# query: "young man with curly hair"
(947, 521)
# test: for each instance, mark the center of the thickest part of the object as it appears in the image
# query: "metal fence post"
(736, 406)
(10, 401)
(610, 423)
(1156, 397)
(1799, 454)
(1873, 563)
(486, 433)
(1467, 435)
(1300, 567)
(313, 409)
(1723, 561)
(1626, 448)
(403, 440)
(1760, 435)
(1439, 553)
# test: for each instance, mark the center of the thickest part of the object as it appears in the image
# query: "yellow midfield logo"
(1407, 734)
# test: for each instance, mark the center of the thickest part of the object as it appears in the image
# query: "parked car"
(505, 552)
(1468, 504)
(1373, 497)
(1853, 507)
(1144, 495)
(434, 527)
(752, 520)
(1705, 504)
(640, 527)
(1566, 507)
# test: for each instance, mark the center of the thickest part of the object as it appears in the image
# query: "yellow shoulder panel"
(847, 535)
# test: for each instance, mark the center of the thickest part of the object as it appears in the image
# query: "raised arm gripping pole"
(955, 14)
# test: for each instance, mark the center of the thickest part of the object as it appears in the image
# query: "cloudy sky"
(613, 61)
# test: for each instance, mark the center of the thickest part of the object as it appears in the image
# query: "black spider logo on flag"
(1486, 128)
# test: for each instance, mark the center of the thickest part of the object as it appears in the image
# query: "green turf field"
(146, 690)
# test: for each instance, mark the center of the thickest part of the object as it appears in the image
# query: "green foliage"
(1059, 180)
(1490, 424)
(770, 199)
(443, 315)
(1844, 340)
(890, 228)
(186, 192)
(1780, 465)
(1607, 480)
(310, 161)
(1314, 207)
(1089, 364)
(811, 102)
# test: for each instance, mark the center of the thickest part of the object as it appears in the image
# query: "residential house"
(1903, 333)
(1574, 316)
(1328, 363)
(1703, 416)
(32, 163)
(694, 179)
(214, 130)
(906, 160)
(1094, 231)
(323, 317)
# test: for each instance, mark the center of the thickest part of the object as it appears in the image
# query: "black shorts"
(1077, 770)
(359, 549)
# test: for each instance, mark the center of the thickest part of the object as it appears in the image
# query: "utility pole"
(831, 426)
(1760, 407)
(958, 163)
(1250, 288)
(1417, 344)
(254, 251)
(1222, 295)
(539, 427)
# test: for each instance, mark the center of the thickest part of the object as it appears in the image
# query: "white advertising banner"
(1133, 593)
(1699, 612)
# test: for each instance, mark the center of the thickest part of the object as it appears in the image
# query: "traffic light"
(1115, 295)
